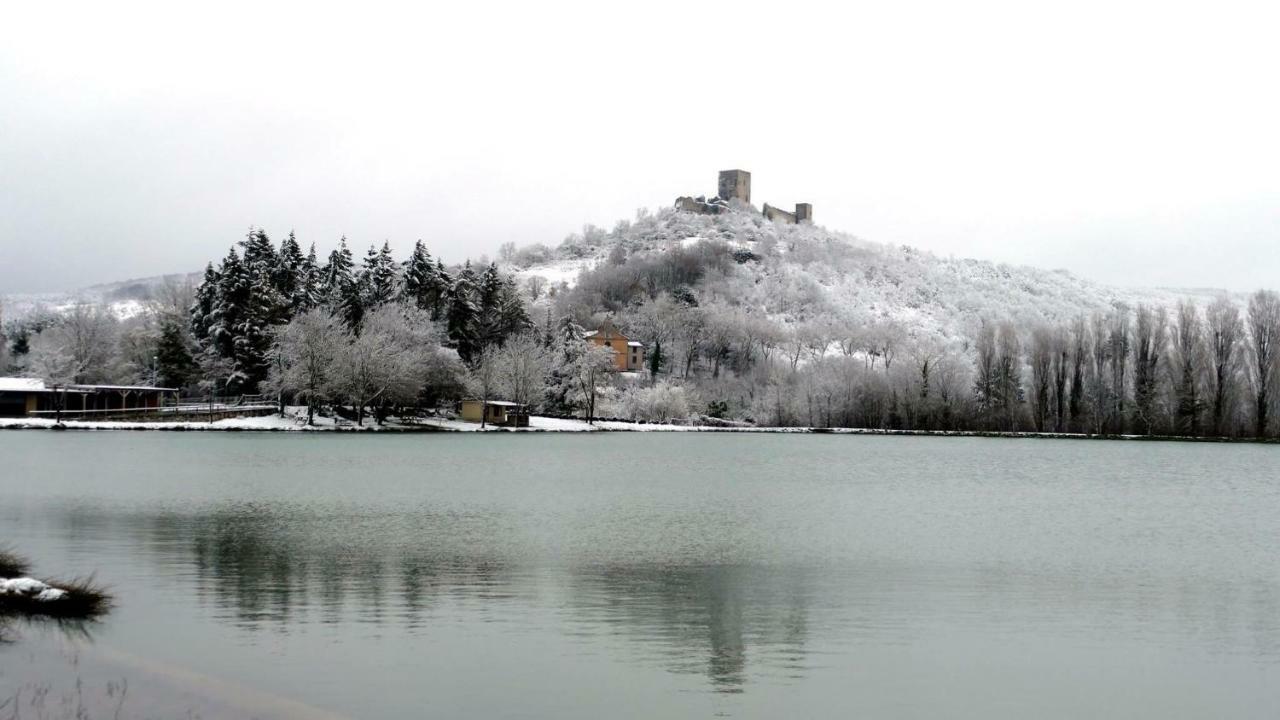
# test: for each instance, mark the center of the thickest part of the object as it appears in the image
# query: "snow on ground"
(536, 424)
(563, 271)
(31, 589)
(295, 419)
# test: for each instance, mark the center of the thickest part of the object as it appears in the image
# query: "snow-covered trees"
(1264, 351)
(1150, 344)
(380, 366)
(1187, 368)
(521, 366)
(308, 348)
(578, 370)
(175, 364)
(78, 348)
(257, 295)
(425, 284)
(379, 279)
(463, 315)
(1223, 330)
(663, 402)
(4, 343)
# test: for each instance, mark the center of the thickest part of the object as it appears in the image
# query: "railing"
(205, 407)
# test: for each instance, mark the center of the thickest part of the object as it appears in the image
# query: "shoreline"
(277, 424)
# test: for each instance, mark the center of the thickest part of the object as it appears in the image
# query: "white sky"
(1133, 143)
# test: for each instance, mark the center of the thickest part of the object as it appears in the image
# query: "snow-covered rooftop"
(502, 403)
(139, 388)
(21, 384)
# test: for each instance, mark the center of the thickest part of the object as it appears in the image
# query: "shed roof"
(21, 384)
(501, 403)
(143, 388)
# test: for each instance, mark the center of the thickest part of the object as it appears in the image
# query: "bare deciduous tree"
(1264, 333)
(1223, 329)
(1186, 363)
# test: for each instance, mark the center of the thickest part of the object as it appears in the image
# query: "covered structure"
(22, 397)
(495, 412)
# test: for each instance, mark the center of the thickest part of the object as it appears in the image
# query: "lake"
(646, 575)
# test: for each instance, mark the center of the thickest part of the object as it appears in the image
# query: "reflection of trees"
(704, 618)
(266, 565)
(275, 565)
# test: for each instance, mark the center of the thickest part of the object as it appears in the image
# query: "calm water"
(647, 575)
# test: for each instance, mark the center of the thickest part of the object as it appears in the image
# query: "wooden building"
(495, 412)
(23, 397)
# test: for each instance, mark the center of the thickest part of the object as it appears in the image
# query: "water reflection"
(912, 580)
(702, 619)
(279, 567)
(12, 627)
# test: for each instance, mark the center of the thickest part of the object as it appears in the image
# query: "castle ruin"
(736, 185)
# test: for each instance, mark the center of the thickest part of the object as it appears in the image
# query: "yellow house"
(628, 354)
(495, 412)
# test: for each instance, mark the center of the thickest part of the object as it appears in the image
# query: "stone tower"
(804, 213)
(735, 184)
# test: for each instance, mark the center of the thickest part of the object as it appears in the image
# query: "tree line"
(381, 336)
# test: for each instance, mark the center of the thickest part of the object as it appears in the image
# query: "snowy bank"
(21, 594)
(25, 588)
(295, 422)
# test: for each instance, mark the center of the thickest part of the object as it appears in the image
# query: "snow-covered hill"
(802, 273)
(126, 298)
(790, 273)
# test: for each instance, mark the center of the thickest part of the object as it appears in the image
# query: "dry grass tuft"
(12, 564)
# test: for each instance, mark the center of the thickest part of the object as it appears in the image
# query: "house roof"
(36, 385)
(124, 387)
(500, 403)
(635, 343)
(21, 384)
(608, 331)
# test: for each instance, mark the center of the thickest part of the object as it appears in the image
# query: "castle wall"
(773, 213)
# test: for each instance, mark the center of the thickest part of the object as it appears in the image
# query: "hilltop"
(791, 273)
(804, 273)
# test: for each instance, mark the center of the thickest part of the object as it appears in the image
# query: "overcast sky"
(1130, 143)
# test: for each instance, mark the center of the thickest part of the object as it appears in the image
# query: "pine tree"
(378, 277)
(339, 287)
(288, 275)
(253, 335)
(513, 317)
(417, 271)
(206, 296)
(655, 360)
(175, 364)
(231, 299)
(488, 306)
(439, 294)
(462, 315)
(259, 257)
(307, 294)
(568, 347)
(548, 330)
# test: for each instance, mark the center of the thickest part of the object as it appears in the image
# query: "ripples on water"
(652, 575)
